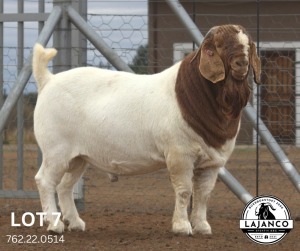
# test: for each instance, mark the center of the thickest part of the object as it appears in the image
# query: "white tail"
(40, 60)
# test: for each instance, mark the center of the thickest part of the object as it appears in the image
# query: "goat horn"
(270, 205)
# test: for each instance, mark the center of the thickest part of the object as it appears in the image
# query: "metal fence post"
(16, 92)
(62, 39)
(20, 108)
(79, 42)
(71, 53)
(1, 95)
(79, 58)
(41, 25)
(25, 73)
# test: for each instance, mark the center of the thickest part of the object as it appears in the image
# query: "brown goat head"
(228, 50)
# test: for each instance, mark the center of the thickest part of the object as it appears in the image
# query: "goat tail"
(40, 60)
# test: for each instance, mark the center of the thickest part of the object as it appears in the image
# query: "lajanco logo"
(266, 220)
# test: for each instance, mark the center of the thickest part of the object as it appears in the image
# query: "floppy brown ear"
(211, 66)
(255, 63)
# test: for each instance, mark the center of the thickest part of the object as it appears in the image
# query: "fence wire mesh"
(126, 34)
(154, 40)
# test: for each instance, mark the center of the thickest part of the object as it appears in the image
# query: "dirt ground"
(136, 212)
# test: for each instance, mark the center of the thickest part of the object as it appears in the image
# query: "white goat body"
(124, 124)
(120, 122)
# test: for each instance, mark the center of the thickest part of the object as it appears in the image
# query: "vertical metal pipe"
(79, 57)
(258, 103)
(20, 108)
(41, 25)
(79, 42)
(41, 10)
(1, 95)
(62, 40)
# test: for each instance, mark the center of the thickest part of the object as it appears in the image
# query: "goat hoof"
(76, 225)
(182, 228)
(58, 229)
(202, 228)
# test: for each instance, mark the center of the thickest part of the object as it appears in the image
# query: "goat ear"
(255, 63)
(211, 66)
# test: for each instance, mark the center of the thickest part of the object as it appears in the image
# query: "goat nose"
(241, 62)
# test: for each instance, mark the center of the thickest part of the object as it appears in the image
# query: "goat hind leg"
(47, 179)
(204, 182)
(65, 194)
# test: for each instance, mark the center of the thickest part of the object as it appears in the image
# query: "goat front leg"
(181, 174)
(204, 182)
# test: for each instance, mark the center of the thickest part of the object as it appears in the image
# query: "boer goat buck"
(185, 119)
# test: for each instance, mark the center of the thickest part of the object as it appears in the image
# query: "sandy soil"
(136, 212)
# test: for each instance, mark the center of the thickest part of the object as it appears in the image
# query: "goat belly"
(126, 167)
(197, 99)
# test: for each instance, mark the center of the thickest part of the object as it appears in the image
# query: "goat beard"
(233, 96)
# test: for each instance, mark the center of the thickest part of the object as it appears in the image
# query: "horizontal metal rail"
(19, 194)
(23, 17)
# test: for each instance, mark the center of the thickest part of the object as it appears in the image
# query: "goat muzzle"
(238, 75)
(239, 68)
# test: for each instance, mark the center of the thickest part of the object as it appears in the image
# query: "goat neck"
(213, 111)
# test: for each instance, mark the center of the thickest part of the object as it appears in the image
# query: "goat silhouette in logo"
(264, 212)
